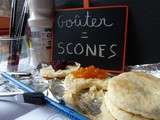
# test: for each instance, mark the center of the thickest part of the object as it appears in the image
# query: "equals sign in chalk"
(84, 35)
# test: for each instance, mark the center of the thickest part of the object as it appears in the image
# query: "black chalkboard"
(95, 36)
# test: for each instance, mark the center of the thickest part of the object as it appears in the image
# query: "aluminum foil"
(36, 82)
(153, 69)
(7, 88)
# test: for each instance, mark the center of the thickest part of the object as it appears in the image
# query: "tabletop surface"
(17, 111)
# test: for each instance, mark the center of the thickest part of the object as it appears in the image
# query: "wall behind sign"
(4, 17)
(4, 7)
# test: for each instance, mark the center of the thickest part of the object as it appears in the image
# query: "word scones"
(87, 50)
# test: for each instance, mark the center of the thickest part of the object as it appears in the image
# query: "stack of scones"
(132, 96)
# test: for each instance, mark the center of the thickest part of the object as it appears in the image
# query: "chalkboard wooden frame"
(87, 7)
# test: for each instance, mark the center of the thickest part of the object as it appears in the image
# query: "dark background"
(143, 44)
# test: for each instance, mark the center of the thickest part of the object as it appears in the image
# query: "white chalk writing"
(112, 51)
(78, 21)
(88, 50)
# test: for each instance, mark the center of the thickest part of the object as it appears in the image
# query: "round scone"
(121, 114)
(85, 89)
(137, 93)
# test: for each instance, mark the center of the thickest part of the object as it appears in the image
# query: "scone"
(83, 88)
(137, 93)
(120, 114)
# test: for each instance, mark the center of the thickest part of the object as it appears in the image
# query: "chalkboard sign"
(93, 36)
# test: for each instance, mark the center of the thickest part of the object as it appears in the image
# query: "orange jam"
(90, 72)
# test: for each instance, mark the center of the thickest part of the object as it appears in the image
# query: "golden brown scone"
(85, 86)
(80, 92)
(137, 93)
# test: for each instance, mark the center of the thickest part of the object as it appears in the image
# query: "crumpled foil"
(153, 69)
(9, 89)
(36, 82)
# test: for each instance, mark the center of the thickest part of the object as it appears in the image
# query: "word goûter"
(78, 21)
